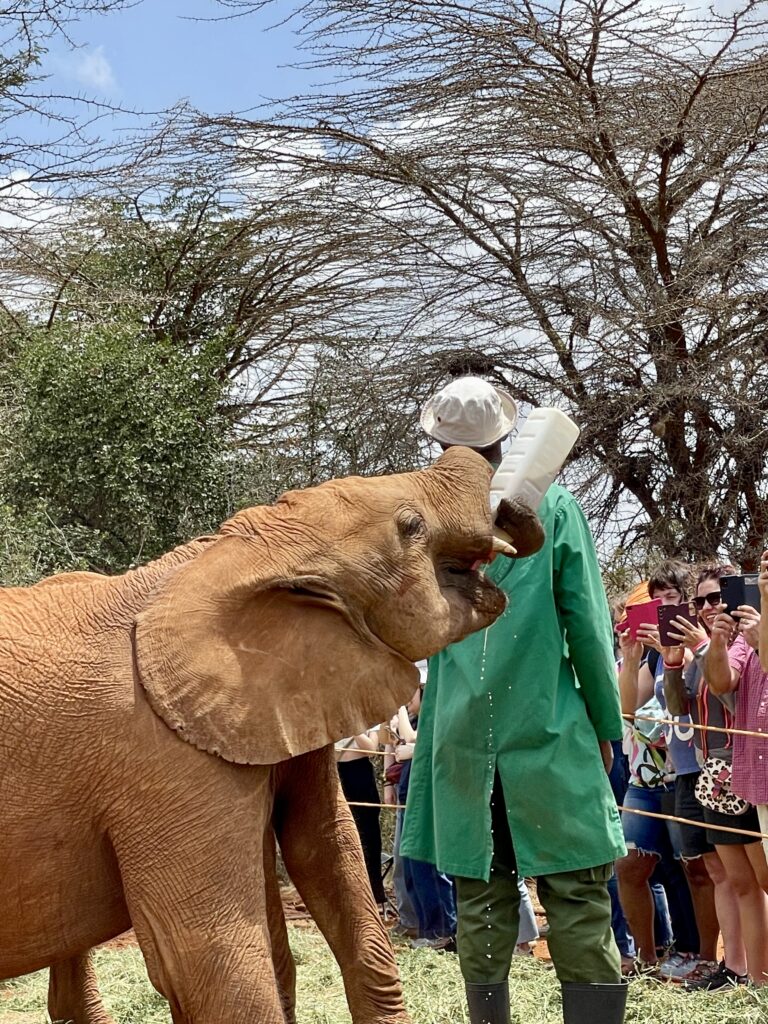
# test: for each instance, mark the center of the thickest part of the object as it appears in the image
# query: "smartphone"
(738, 590)
(667, 612)
(637, 614)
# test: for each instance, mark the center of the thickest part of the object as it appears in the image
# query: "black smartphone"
(737, 590)
(667, 612)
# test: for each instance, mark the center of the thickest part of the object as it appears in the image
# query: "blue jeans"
(662, 923)
(619, 775)
(651, 835)
(621, 932)
(431, 893)
(433, 898)
(670, 878)
(406, 912)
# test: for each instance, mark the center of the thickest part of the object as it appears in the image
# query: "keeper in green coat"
(510, 768)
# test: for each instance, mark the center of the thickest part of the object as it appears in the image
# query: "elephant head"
(301, 622)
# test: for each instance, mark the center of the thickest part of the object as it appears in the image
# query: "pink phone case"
(637, 614)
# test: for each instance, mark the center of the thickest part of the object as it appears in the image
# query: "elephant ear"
(250, 668)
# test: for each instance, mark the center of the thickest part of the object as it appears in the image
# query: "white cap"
(469, 411)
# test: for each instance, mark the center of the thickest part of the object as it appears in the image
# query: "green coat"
(508, 698)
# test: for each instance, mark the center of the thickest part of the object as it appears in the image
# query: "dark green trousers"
(578, 910)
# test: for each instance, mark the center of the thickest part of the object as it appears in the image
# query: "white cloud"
(25, 206)
(92, 69)
(28, 214)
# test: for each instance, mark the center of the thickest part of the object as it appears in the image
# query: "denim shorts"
(651, 835)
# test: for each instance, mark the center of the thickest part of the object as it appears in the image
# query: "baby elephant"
(159, 729)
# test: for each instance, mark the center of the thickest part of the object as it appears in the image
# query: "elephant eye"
(411, 525)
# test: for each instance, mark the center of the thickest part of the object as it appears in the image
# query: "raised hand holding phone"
(670, 642)
(762, 579)
(631, 650)
(723, 629)
(688, 633)
(749, 624)
(679, 623)
(643, 616)
(648, 635)
(740, 590)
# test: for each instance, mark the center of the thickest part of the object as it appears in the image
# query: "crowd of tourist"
(709, 777)
(683, 891)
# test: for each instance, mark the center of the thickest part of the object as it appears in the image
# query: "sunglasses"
(712, 599)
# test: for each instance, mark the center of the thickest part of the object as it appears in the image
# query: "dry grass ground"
(432, 985)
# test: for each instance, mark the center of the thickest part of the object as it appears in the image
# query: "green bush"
(114, 449)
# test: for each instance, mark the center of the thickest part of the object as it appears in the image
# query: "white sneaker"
(679, 966)
(440, 943)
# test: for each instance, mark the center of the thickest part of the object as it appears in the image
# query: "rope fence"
(687, 821)
(627, 810)
(630, 718)
(694, 725)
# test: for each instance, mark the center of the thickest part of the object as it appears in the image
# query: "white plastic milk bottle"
(534, 458)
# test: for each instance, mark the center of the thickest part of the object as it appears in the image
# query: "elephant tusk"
(501, 544)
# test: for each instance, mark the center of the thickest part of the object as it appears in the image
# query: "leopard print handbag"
(713, 788)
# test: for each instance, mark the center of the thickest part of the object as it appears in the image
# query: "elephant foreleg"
(73, 992)
(282, 958)
(323, 856)
(197, 895)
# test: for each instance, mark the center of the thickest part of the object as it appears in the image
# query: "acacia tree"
(577, 195)
(180, 355)
(162, 326)
(270, 281)
(50, 146)
(26, 27)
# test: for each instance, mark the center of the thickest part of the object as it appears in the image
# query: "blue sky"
(150, 56)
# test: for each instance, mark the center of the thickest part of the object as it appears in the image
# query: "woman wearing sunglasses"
(687, 692)
(650, 839)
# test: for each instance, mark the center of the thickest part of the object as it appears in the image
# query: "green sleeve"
(583, 610)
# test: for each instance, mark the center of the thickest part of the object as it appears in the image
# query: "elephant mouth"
(474, 588)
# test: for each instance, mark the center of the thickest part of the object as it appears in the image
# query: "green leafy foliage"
(115, 449)
(182, 262)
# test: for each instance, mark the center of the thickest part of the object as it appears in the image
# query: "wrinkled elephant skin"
(159, 729)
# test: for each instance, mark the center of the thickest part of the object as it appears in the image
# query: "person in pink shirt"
(762, 582)
(738, 668)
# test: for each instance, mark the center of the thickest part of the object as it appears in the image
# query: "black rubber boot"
(488, 1004)
(594, 1004)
